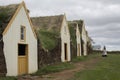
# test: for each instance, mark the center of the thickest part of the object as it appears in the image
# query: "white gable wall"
(65, 38)
(84, 38)
(78, 38)
(11, 40)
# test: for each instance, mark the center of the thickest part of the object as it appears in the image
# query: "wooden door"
(22, 59)
(78, 49)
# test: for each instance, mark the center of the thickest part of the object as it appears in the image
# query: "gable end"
(15, 14)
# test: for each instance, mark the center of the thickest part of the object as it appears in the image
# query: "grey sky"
(102, 17)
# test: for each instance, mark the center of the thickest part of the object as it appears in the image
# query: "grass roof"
(48, 30)
(72, 29)
(6, 13)
(48, 39)
(52, 23)
(80, 24)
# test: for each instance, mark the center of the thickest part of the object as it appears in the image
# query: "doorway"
(65, 49)
(22, 59)
(78, 49)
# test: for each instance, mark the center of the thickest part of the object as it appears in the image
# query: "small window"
(21, 50)
(22, 31)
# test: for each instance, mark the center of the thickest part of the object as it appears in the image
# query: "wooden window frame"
(24, 34)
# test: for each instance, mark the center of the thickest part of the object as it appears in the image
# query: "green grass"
(107, 69)
(62, 66)
(54, 68)
(8, 78)
(47, 69)
(78, 59)
(48, 39)
(84, 58)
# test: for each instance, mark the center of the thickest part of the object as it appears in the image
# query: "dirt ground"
(66, 74)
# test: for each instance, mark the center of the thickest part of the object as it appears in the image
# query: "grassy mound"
(48, 39)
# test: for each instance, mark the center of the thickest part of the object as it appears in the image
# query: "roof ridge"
(48, 16)
(9, 5)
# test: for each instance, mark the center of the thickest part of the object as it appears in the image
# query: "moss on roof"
(72, 29)
(48, 39)
(52, 23)
(80, 24)
(48, 30)
(6, 13)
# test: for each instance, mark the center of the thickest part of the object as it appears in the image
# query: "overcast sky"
(102, 17)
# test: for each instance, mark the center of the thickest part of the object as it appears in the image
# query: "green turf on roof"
(48, 30)
(72, 29)
(48, 39)
(48, 22)
(80, 24)
(6, 13)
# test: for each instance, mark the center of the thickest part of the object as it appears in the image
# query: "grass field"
(54, 68)
(63, 66)
(8, 78)
(84, 58)
(108, 68)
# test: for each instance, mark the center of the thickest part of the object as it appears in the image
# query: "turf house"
(75, 36)
(79, 38)
(27, 44)
(84, 38)
(18, 41)
(54, 37)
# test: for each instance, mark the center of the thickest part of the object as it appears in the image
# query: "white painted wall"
(65, 38)
(78, 38)
(11, 40)
(84, 38)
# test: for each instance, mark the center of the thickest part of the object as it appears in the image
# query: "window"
(21, 50)
(22, 33)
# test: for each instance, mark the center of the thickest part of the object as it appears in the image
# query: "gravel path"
(66, 74)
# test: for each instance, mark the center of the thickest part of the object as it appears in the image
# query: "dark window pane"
(21, 50)
(22, 37)
(22, 33)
